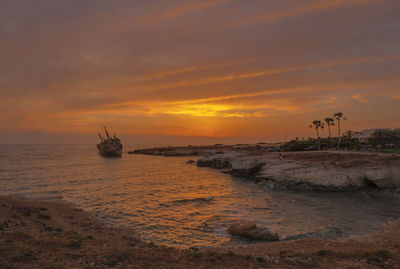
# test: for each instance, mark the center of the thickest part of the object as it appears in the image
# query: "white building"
(365, 134)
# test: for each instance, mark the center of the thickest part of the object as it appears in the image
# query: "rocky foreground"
(49, 234)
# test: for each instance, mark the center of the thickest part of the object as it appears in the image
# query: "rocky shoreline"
(321, 171)
(53, 234)
(182, 151)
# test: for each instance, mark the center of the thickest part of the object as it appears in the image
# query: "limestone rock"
(321, 171)
(218, 161)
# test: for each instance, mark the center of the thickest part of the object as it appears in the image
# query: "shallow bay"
(162, 197)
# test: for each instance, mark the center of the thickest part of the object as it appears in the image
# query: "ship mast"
(108, 136)
(101, 138)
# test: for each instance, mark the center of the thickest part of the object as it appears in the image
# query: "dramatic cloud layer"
(198, 68)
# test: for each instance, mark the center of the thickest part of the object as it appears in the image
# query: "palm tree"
(330, 122)
(339, 116)
(317, 124)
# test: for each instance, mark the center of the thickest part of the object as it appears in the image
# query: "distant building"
(366, 134)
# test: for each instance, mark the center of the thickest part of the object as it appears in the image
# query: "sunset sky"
(219, 68)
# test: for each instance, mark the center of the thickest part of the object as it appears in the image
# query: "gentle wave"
(176, 204)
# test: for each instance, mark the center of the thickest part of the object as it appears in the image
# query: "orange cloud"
(181, 67)
(302, 10)
(394, 94)
(359, 97)
(183, 9)
(269, 72)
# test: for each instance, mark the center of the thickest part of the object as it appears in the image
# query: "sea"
(174, 203)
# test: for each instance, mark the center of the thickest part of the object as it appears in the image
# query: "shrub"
(23, 257)
(249, 257)
(261, 260)
(230, 253)
(384, 254)
(42, 216)
(324, 253)
(74, 243)
(374, 260)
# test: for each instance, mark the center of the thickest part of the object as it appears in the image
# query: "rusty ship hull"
(109, 146)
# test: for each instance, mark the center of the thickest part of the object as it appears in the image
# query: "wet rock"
(218, 161)
(252, 231)
(214, 163)
(329, 233)
(246, 167)
(181, 152)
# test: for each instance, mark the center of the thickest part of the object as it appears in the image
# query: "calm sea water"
(158, 196)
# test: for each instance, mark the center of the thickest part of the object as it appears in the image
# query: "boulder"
(218, 161)
(252, 231)
(246, 167)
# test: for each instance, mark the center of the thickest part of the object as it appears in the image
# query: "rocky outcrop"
(252, 231)
(166, 152)
(313, 171)
(198, 150)
(238, 165)
(246, 167)
(218, 161)
(295, 175)
(179, 151)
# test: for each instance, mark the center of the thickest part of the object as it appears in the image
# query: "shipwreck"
(109, 146)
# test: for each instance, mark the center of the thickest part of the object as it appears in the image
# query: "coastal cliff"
(330, 171)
